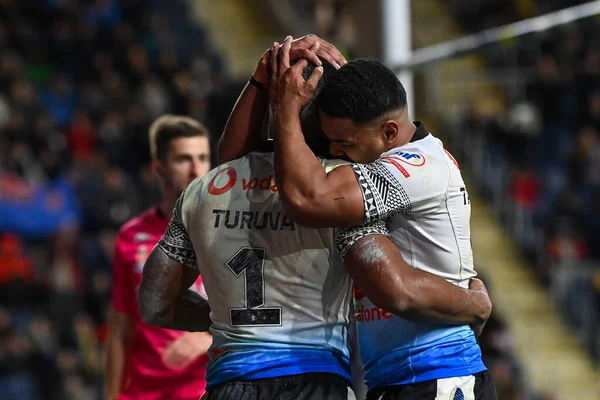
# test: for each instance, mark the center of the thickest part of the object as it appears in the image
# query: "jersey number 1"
(251, 261)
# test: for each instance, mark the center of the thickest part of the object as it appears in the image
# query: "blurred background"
(519, 108)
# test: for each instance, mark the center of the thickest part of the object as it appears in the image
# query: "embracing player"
(279, 295)
(409, 189)
(143, 361)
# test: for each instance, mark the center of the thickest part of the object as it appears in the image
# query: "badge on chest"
(141, 255)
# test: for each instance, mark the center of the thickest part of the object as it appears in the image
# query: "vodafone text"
(267, 183)
(226, 178)
(364, 314)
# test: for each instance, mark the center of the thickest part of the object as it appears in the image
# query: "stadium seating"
(539, 162)
(80, 82)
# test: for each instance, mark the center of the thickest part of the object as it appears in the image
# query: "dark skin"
(239, 136)
(165, 299)
(393, 285)
(176, 307)
(397, 287)
(312, 197)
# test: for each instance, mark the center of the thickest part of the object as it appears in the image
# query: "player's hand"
(325, 50)
(478, 286)
(310, 47)
(289, 90)
(268, 70)
(280, 61)
(261, 73)
(186, 348)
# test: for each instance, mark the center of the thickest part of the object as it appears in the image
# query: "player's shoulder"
(222, 178)
(240, 166)
(419, 167)
(137, 224)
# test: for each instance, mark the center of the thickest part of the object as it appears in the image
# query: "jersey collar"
(420, 133)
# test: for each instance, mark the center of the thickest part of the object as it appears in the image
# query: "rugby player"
(279, 295)
(410, 189)
(143, 361)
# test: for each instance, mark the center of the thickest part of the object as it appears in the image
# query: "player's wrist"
(290, 108)
(257, 83)
(261, 72)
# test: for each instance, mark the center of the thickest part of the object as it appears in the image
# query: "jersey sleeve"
(123, 287)
(346, 238)
(176, 243)
(389, 187)
(330, 165)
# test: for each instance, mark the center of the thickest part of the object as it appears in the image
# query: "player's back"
(279, 294)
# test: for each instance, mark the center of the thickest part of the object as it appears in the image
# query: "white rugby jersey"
(415, 194)
(279, 293)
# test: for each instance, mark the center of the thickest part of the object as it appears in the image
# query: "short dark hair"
(170, 127)
(309, 116)
(362, 90)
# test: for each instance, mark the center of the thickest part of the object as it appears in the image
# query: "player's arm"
(377, 267)
(310, 196)
(164, 297)
(242, 131)
(120, 325)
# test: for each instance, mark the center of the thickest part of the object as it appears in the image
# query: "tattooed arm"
(164, 296)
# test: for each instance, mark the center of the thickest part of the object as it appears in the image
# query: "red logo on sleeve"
(452, 158)
(396, 164)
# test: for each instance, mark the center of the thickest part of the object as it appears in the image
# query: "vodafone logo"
(366, 314)
(267, 183)
(221, 184)
(358, 294)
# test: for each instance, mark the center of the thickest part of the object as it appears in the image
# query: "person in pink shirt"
(146, 362)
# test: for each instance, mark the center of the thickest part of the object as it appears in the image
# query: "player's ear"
(390, 130)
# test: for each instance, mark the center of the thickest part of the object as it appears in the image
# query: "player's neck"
(405, 134)
(166, 207)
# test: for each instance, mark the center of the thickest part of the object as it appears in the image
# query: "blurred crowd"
(80, 83)
(333, 20)
(538, 162)
(476, 15)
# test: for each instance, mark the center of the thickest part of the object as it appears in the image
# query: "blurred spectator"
(14, 264)
(540, 164)
(81, 137)
(525, 188)
(334, 21)
(567, 246)
(81, 81)
(585, 161)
